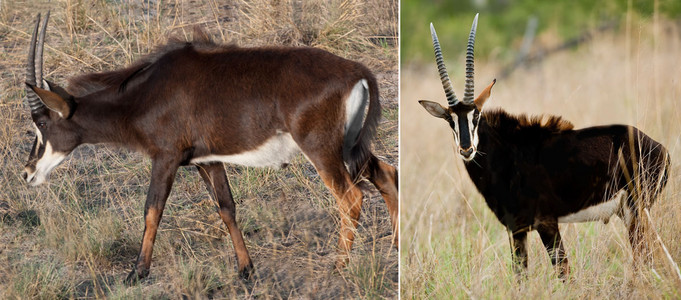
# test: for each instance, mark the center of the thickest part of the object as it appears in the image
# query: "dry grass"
(77, 235)
(452, 244)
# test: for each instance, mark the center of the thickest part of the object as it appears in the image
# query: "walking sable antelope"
(537, 172)
(199, 103)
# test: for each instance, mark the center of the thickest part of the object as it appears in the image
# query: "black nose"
(24, 175)
(467, 152)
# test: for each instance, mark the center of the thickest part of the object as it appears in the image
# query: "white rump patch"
(45, 165)
(602, 211)
(355, 102)
(275, 152)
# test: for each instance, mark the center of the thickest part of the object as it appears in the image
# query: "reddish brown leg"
(384, 177)
(218, 186)
(162, 176)
(348, 196)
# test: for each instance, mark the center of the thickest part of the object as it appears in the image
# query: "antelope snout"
(466, 153)
(29, 175)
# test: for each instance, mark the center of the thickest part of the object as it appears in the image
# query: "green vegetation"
(502, 23)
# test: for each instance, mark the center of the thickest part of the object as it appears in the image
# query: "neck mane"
(107, 101)
(508, 126)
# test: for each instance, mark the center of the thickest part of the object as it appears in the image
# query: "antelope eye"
(42, 125)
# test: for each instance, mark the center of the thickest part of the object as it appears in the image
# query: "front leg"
(519, 251)
(163, 169)
(550, 237)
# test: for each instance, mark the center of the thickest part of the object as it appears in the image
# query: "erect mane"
(505, 122)
(122, 78)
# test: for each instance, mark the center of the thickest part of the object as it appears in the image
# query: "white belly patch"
(602, 211)
(275, 152)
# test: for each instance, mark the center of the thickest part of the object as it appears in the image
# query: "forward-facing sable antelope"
(200, 103)
(537, 172)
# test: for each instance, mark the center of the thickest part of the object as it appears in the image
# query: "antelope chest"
(276, 152)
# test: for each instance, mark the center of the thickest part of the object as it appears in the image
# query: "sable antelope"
(200, 103)
(536, 172)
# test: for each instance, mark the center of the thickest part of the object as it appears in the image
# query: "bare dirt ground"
(77, 235)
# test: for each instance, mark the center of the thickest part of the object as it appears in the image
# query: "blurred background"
(506, 22)
(592, 62)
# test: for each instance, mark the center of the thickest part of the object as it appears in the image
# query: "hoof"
(246, 272)
(564, 274)
(134, 277)
(340, 265)
(520, 276)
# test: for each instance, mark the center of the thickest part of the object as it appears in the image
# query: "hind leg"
(384, 177)
(637, 239)
(348, 196)
(632, 214)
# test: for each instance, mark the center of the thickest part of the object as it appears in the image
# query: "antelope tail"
(360, 130)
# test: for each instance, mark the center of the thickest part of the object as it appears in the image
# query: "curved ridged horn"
(33, 76)
(444, 77)
(39, 53)
(468, 93)
(33, 102)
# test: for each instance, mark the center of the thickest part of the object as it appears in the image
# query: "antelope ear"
(434, 108)
(54, 101)
(480, 101)
(59, 90)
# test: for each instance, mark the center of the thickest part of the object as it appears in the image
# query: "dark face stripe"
(464, 132)
(37, 151)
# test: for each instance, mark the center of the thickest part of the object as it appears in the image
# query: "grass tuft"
(39, 279)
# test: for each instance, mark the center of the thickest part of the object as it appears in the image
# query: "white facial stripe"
(39, 135)
(474, 130)
(455, 119)
(46, 163)
(470, 128)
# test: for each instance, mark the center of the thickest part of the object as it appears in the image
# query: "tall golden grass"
(452, 244)
(77, 235)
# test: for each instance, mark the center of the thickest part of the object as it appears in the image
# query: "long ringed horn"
(444, 77)
(39, 52)
(33, 102)
(468, 94)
